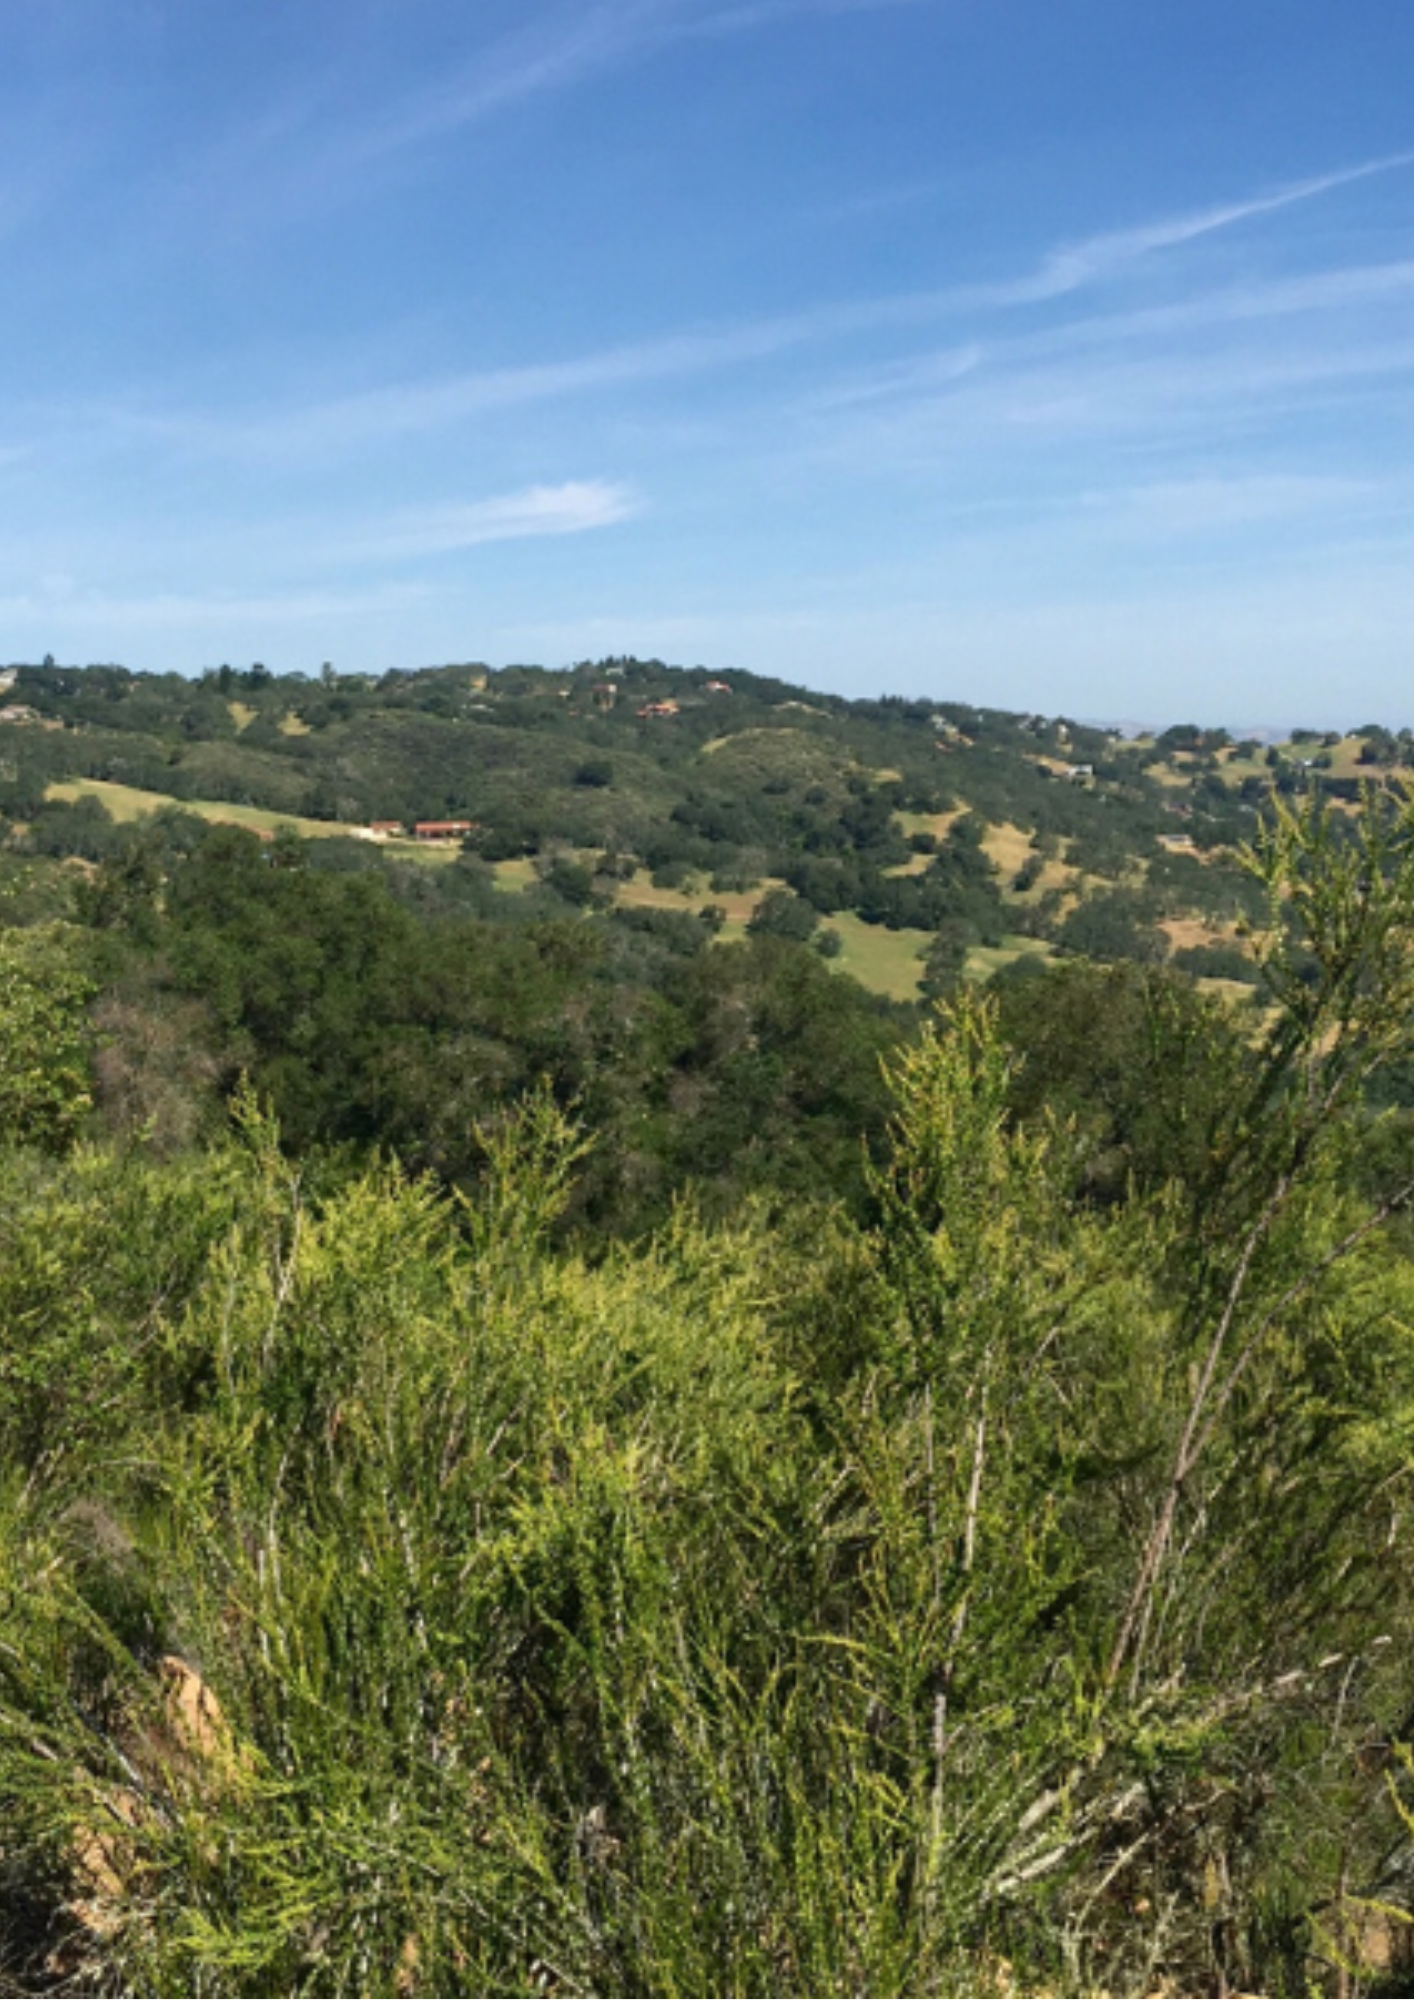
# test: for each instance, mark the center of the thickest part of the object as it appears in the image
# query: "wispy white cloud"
(547, 55)
(1062, 391)
(553, 52)
(364, 418)
(573, 508)
(311, 549)
(405, 408)
(1225, 362)
(1088, 261)
(317, 140)
(566, 47)
(877, 201)
(1197, 373)
(767, 13)
(1073, 265)
(913, 376)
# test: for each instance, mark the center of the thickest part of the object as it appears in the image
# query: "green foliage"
(766, 781)
(1216, 961)
(1138, 1067)
(781, 913)
(532, 1503)
(1118, 924)
(738, 1614)
(402, 1010)
(60, 828)
(33, 891)
(46, 1045)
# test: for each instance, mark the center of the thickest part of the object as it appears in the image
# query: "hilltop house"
(442, 829)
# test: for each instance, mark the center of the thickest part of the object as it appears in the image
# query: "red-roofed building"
(442, 829)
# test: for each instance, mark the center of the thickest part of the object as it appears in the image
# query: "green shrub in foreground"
(1000, 1593)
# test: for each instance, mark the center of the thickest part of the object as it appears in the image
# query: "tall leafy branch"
(1338, 964)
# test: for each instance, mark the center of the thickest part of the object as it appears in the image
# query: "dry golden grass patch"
(124, 802)
(1344, 756)
(738, 904)
(517, 874)
(776, 731)
(1345, 763)
(939, 825)
(1236, 764)
(641, 893)
(428, 853)
(1007, 846)
(130, 802)
(1185, 932)
(1055, 874)
(1235, 990)
(887, 962)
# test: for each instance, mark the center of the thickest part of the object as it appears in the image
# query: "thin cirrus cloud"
(1113, 369)
(1023, 420)
(364, 418)
(573, 508)
(321, 141)
(546, 56)
(563, 49)
(405, 408)
(557, 52)
(1240, 353)
(768, 13)
(1068, 268)
(400, 540)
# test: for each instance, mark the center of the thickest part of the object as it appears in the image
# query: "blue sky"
(1045, 356)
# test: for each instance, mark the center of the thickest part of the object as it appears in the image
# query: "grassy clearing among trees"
(888, 962)
(127, 803)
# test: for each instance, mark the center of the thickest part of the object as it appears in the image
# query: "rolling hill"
(903, 828)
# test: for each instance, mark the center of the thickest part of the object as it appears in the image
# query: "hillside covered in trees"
(967, 831)
(782, 1364)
